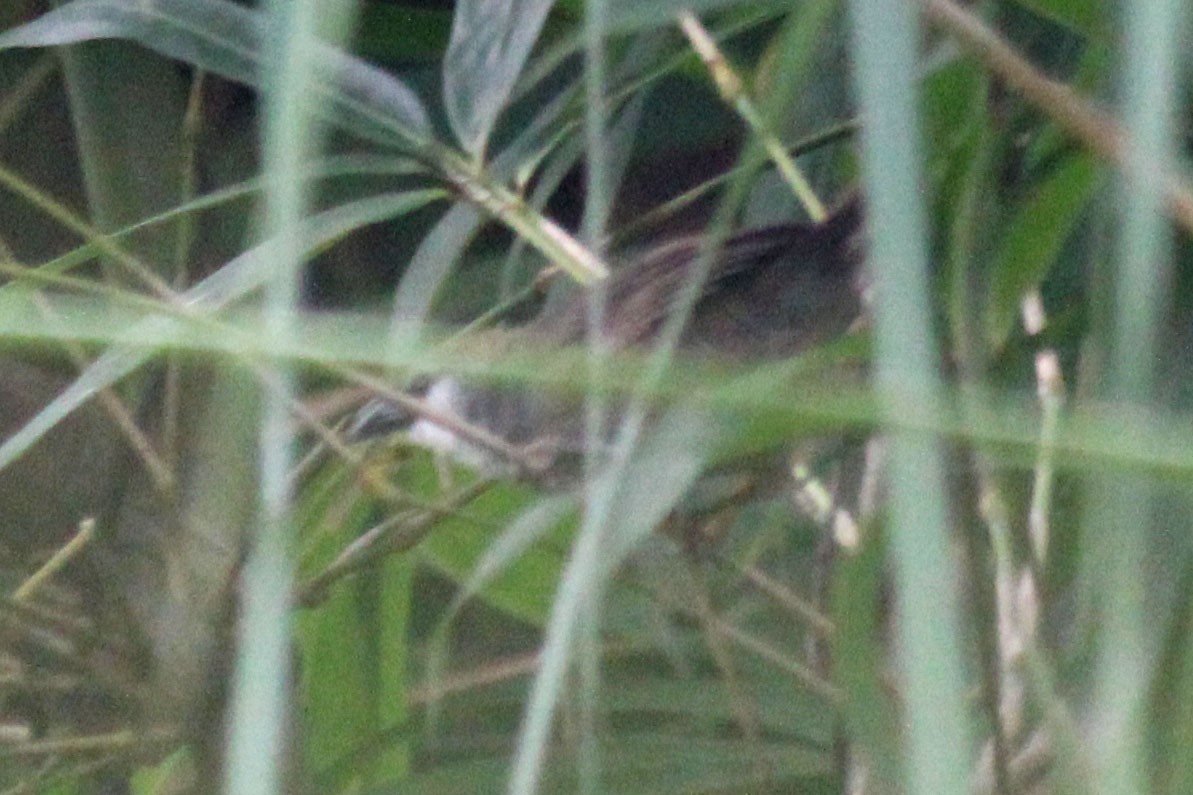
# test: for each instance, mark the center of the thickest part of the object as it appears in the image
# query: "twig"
(1050, 387)
(396, 534)
(1075, 115)
(59, 559)
(732, 90)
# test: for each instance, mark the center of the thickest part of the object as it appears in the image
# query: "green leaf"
(1082, 16)
(645, 762)
(515, 565)
(354, 670)
(238, 277)
(663, 762)
(1034, 239)
(228, 40)
(354, 644)
(490, 42)
(631, 16)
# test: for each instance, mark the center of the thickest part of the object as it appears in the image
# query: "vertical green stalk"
(261, 685)
(127, 106)
(928, 614)
(595, 227)
(1121, 518)
(575, 612)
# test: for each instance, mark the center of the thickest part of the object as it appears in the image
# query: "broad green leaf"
(514, 564)
(353, 644)
(1034, 239)
(1090, 19)
(354, 650)
(490, 42)
(871, 721)
(337, 655)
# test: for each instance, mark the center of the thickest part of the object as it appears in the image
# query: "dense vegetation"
(227, 228)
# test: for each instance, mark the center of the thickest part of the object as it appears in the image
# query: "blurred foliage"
(457, 158)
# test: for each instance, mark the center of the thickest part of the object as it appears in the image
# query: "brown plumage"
(769, 294)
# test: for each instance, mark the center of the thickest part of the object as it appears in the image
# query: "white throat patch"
(446, 396)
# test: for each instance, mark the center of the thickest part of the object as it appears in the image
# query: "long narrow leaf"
(240, 276)
(227, 39)
(490, 42)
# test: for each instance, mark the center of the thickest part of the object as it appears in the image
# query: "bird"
(769, 294)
